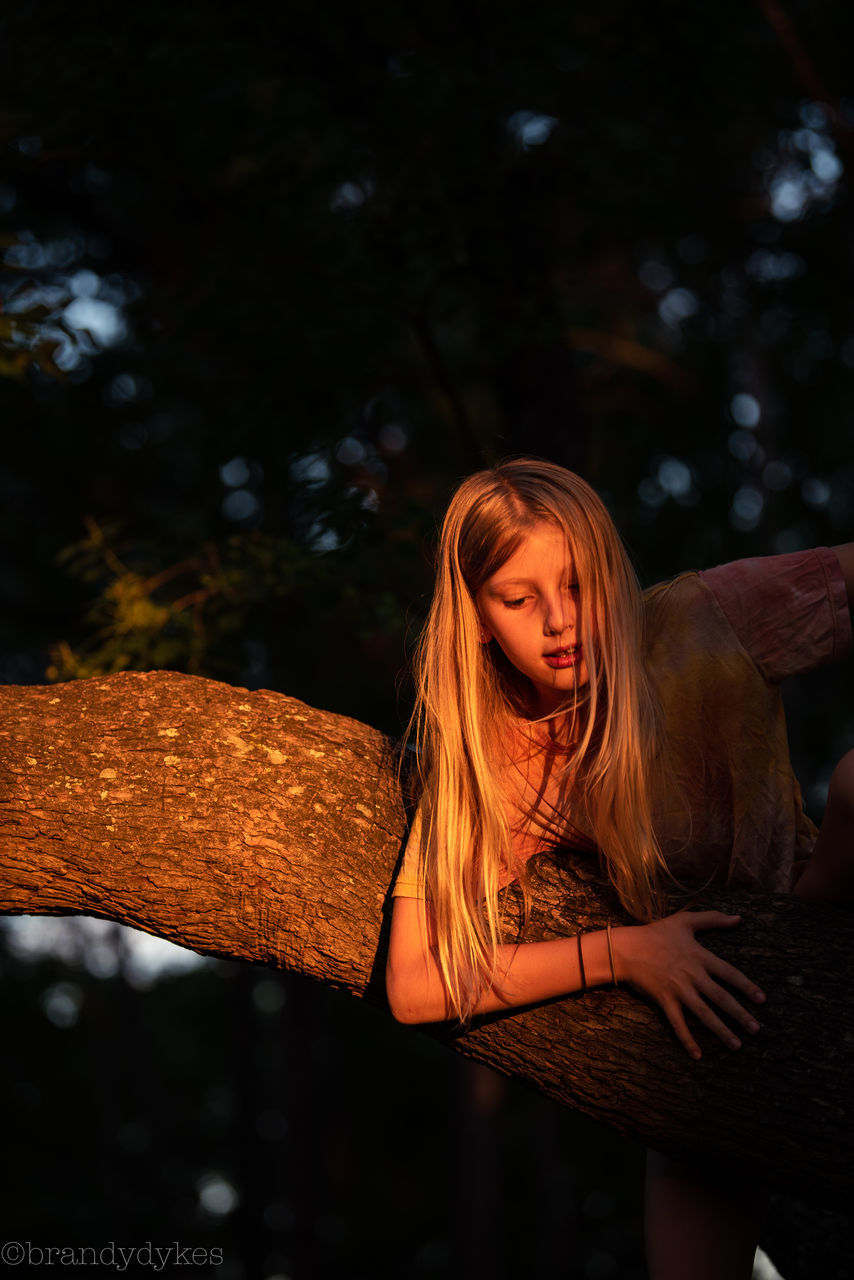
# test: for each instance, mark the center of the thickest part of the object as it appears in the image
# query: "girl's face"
(530, 608)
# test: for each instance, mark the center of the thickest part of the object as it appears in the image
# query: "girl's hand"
(665, 961)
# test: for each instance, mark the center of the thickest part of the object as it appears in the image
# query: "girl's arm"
(663, 960)
(845, 556)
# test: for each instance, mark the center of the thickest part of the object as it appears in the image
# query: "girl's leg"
(697, 1226)
(701, 1227)
(829, 874)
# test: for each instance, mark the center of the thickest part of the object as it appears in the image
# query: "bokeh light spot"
(789, 195)
(235, 473)
(84, 284)
(268, 996)
(217, 1196)
(392, 438)
(826, 165)
(813, 114)
(678, 305)
(350, 451)
(100, 319)
(746, 510)
(767, 266)
(321, 539)
(742, 445)
(674, 477)
(124, 388)
(745, 409)
(61, 1003)
(651, 493)
(531, 128)
(311, 470)
(655, 275)
(240, 505)
(349, 196)
(815, 492)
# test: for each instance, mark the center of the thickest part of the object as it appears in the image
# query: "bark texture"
(249, 825)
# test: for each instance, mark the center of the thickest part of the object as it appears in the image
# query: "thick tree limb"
(248, 825)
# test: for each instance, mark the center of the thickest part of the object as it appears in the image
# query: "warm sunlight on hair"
(536, 613)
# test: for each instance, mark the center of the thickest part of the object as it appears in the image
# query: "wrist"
(624, 941)
(614, 979)
(597, 963)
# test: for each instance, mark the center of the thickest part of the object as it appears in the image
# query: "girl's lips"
(567, 657)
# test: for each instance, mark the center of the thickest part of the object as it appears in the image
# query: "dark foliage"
(273, 282)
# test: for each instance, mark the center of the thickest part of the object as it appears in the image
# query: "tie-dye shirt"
(719, 644)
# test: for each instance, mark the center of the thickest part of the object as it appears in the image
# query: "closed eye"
(516, 604)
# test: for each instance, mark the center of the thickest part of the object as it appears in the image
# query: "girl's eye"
(515, 604)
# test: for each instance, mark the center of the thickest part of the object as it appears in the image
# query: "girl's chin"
(548, 700)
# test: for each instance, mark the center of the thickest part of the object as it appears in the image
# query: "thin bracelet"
(611, 955)
(581, 962)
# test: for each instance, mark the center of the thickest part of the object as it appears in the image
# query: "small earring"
(483, 636)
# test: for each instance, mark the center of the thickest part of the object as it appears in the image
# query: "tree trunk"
(251, 826)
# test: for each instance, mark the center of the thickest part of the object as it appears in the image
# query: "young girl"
(558, 707)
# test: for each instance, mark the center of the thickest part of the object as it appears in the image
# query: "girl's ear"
(485, 634)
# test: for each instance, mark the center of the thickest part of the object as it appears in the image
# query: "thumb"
(712, 920)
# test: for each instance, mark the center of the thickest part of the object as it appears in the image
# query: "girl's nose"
(560, 615)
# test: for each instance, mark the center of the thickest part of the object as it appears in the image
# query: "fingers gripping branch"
(665, 961)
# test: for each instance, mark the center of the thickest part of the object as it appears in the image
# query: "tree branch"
(249, 825)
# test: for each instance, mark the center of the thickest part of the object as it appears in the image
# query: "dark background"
(271, 286)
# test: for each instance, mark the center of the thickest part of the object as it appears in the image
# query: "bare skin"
(531, 608)
(663, 960)
(697, 1225)
(707, 1227)
(829, 874)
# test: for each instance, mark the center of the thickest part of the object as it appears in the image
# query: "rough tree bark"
(251, 826)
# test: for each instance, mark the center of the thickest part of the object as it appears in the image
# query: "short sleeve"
(790, 612)
(410, 878)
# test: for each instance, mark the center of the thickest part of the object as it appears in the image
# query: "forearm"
(525, 973)
(662, 960)
(845, 556)
(536, 971)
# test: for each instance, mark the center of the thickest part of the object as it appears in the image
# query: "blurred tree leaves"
(273, 280)
(361, 251)
(204, 614)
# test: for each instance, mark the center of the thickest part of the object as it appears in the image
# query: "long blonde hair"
(470, 700)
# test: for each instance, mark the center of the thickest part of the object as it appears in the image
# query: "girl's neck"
(553, 733)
